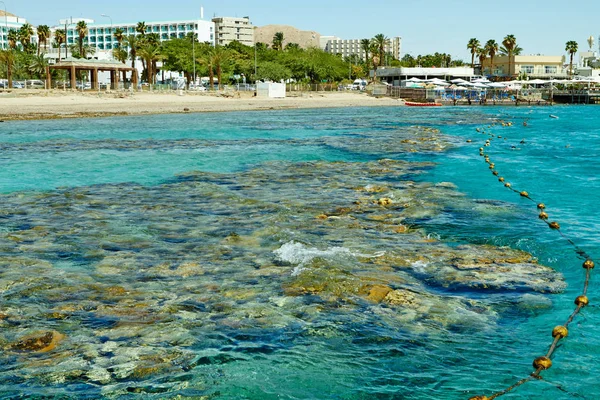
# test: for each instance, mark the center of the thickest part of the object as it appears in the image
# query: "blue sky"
(541, 27)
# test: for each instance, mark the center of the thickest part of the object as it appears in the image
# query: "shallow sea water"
(338, 253)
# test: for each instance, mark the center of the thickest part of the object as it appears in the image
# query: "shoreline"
(41, 105)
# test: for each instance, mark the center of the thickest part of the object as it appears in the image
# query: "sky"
(541, 27)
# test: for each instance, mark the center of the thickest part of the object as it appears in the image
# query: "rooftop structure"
(229, 29)
(8, 21)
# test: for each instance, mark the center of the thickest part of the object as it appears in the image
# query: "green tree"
(37, 65)
(381, 42)
(292, 47)
(119, 35)
(141, 28)
(278, 41)
(121, 55)
(25, 33)
(8, 57)
(43, 32)
(509, 43)
(132, 43)
(571, 47)
(151, 53)
(13, 38)
(365, 45)
(60, 37)
(481, 55)
(82, 31)
(273, 71)
(491, 47)
(473, 46)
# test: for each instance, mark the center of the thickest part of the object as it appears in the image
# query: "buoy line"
(559, 332)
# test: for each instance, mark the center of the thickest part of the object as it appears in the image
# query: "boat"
(417, 104)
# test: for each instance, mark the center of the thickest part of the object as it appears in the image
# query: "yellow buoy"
(541, 206)
(588, 264)
(507, 185)
(554, 225)
(542, 363)
(543, 215)
(501, 179)
(582, 301)
(560, 332)
(524, 194)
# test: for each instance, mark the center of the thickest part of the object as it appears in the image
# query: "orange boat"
(415, 104)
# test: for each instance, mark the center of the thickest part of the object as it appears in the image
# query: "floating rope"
(561, 331)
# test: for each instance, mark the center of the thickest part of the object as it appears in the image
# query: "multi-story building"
(8, 21)
(228, 29)
(350, 47)
(532, 66)
(101, 35)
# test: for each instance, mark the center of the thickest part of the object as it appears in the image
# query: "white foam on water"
(297, 253)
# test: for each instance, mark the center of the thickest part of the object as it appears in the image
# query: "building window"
(528, 69)
(550, 69)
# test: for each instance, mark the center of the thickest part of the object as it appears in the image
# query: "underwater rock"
(38, 342)
(488, 267)
(378, 292)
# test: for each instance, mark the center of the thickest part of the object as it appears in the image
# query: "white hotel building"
(101, 35)
(8, 21)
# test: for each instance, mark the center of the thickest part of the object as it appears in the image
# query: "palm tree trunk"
(211, 76)
(219, 74)
(472, 60)
(81, 47)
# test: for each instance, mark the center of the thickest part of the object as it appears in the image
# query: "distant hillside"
(305, 39)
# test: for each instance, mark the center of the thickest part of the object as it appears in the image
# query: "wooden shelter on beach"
(74, 65)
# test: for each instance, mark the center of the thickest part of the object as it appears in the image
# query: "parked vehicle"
(35, 84)
(18, 85)
(359, 84)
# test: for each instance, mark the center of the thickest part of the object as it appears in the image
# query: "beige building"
(533, 66)
(304, 39)
(228, 29)
(349, 47)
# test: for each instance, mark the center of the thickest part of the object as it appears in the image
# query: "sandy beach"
(24, 105)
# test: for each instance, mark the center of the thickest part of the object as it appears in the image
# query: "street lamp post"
(6, 35)
(111, 33)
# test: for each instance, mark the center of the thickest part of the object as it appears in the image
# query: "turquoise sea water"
(188, 254)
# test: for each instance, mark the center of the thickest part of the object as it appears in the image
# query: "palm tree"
(381, 41)
(82, 31)
(571, 48)
(365, 45)
(481, 54)
(375, 59)
(13, 38)
(509, 43)
(133, 43)
(8, 57)
(60, 36)
(473, 45)
(120, 54)
(141, 28)
(151, 53)
(220, 56)
(491, 47)
(278, 41)
(207, 60)
(25, 33)
(43, 32)
(119, 34)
